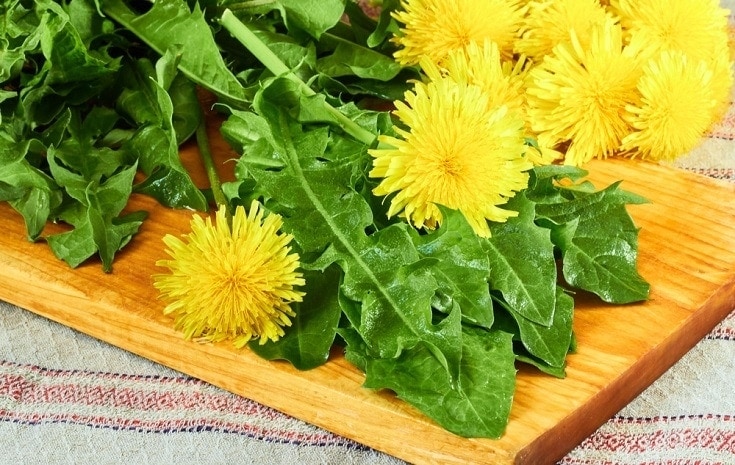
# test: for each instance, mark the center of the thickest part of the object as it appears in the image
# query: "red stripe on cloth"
(725, 129)
(669, 439)
(726, 334)
(727, 174)
(34, 395)
(726, 329)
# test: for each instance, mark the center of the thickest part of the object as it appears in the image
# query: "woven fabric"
(69, 398)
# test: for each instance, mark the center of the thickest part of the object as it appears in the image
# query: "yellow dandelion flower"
(578, 96)
(676, 107)
(231, 282)
(722, 82)
(480, 64)
(458, 151)
(502, 81)
(549, 23)
(433, 28)
(696, 27)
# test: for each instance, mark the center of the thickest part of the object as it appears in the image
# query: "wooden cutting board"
(687, 252)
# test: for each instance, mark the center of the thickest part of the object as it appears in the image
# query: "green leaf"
(67, 55)
(308, 341)
(67, 74)
(544, 183)
(30, 191)
(96, 226)
(139, 99)
(312, 16)
(461, 266)
(155, 143)
(477, 404)
(77, 245)
(382, 91)
(19, 36)
(350, 59)
(170, 24)
(187, 113)
(461, 377)
(387, 25)
(328, 218)
(167, 181)
(522, 263)
(558, 372)
(78, 148)
(548, 344)
(599, 243)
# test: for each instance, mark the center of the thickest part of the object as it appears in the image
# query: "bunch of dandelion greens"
(454, 304)
(424, 241)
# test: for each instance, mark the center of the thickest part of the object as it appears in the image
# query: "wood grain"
(687, 252)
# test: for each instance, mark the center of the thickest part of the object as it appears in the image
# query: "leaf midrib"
(294, 161)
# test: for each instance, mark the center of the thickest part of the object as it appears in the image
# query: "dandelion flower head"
(722, 83)
(578, 96)
(550, 22)
(696, 27)
(457, 150)
(480, 64)
(502, 81)
(675, 110)
(433, 28)
(231, 281)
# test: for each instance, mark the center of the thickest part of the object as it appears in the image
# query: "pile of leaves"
(97, 96)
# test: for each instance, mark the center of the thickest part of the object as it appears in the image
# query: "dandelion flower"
(231, 282)
(502, 81)
(722, 82)
(480, 64)
(458, 151)
(550, 22)
(433, 28)
(578, 96)
(675, 110)
(696, 27)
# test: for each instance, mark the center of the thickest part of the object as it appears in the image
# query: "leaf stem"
(206, 155)
(269, 59)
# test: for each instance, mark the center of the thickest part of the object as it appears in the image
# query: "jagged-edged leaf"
(30, 191)
(314, 192)
(309, 339)
(68, 59)
(547, 345)
(312, 16)
(599, 243)
(350, 59)
(69, 73)
(155, 143)
(522, 263)
(544, 185)
(95, 221)
(461, 267)
(477, 404)
(169, 24)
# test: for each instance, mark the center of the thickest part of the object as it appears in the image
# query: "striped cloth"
(68, 398)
